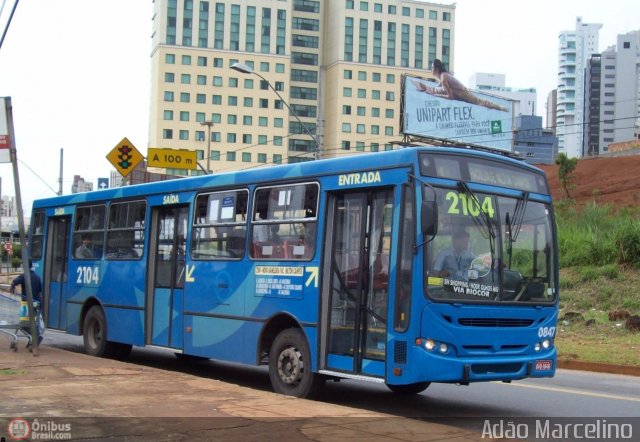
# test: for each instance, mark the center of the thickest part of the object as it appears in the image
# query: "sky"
(78, 72)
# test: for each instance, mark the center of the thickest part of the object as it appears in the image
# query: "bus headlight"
(546, 344)
(433, 346)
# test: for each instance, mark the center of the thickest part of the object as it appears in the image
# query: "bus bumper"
(433, 367)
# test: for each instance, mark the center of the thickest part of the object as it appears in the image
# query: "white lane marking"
(572, 391)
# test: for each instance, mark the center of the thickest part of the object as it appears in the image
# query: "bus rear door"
(357, 296)
(55, 272)
(166, 276)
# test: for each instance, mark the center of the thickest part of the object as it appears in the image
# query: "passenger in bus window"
(83, 251)
(455, 261)
(274, 236)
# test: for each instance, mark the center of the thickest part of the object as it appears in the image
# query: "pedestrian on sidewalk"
(36, 293)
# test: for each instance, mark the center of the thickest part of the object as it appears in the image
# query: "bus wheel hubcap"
(96, 334)
(290, 366)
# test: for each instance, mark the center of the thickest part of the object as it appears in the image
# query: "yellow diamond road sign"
(124, 157)
(172, 158)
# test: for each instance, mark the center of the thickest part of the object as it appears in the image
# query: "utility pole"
(60, 179)
(209, 125)
(21, 228)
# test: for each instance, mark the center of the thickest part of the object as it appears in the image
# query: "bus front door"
(358, 292)
(167, 276)
(55, 273)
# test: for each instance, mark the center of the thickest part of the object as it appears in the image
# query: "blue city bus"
(418, 265)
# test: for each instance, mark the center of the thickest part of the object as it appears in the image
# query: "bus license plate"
(543, 365)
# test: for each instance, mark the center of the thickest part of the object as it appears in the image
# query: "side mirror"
(429, 218)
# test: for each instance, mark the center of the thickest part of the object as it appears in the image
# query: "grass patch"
(600, 342)
(600, 272)
(12, 372)
(598, 235)
(608, 287)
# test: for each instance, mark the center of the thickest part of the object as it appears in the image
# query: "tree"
(16, 258)
(565, 172)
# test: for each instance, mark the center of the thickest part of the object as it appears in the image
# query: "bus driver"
(455, 261)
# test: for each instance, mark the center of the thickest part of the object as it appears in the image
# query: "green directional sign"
(496, 127)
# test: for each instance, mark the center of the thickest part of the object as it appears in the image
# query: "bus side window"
(219, 225)
(125, 236)
(284, 222)
(88, 235)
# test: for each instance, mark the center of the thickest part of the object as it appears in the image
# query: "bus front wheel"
(416, 388)
(95, 334)
(290, 365)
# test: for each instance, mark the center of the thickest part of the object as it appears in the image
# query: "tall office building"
(576, 48)
(336, 63)
(613, 95)
(533, 143)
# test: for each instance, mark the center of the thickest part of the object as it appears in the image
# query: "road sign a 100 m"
(172, 158)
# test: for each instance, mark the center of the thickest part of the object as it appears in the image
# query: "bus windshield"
(490, 248)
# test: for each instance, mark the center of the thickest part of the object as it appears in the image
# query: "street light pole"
(209, 125)
(240, 67)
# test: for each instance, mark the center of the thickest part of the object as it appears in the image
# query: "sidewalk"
(103, 399)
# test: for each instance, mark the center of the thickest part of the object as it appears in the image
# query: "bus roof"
(403, 157)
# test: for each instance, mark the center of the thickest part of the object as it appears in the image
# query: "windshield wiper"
(514, 224)
(487, 227)
(518, 217)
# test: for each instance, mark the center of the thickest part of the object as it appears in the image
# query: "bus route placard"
(279, 281)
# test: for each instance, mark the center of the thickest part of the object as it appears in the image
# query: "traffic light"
(124, 155)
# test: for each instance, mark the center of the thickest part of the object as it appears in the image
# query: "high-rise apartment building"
(336, 63)
(627, 89)
(80, 185)
(551, 105)
(613, 95)
(8, 206)
(576, 48)
(593, 90)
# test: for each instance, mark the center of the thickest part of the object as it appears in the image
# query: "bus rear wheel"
(95, 334)
(416, 388)
(290, 365)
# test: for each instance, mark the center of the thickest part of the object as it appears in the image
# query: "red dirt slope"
(614, 181)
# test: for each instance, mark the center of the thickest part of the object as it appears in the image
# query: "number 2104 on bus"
(418, 265)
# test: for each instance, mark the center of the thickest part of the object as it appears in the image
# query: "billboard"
(470, 117)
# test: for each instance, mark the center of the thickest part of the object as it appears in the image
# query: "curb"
(599, 367)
